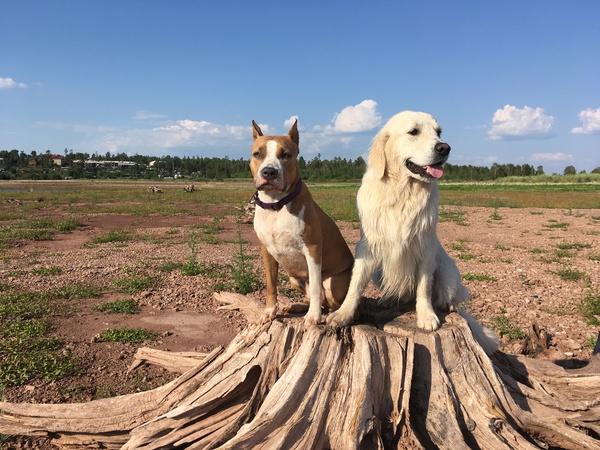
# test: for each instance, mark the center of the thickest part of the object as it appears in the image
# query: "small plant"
(591, 308)
(554, 224)
(538, 251)
(126, 335)
(245, 279)
(570, 274)
(118, 236)
(572, 246)
(495, 215)
(135, 283)
(590, 342)
(128, 306)
(456, 216)
(501, 247)
(465, 256)
(478, 277)
(47, 271)
(459, 246)
(192, 267)
(504, 327)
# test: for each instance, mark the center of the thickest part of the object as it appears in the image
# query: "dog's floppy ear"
(256, 131)
(377, 159)
(293, 133)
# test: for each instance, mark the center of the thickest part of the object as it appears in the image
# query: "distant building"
(56, 159)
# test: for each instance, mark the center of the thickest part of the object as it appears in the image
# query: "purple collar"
(281, 203)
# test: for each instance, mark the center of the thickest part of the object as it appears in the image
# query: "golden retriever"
(398, 209)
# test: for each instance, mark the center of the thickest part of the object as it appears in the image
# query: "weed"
(501, 247)
(47, 271)
(554, 224)
(245, 279)
(591, 308)
(459, 246)
(594, 257)
(465, 256)
(495, 215)
(135, 283)
(118, 236)
(572, 246)
(126, 335)
(570, 274)
(192, 267)
(590, 342)
(128, 306)
(478, 277)
(538, 250)
(456, 216)
(502, 324)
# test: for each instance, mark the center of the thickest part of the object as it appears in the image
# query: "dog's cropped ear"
(256, 131)
(293, 133)
(377, 160)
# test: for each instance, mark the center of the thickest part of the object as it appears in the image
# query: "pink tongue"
(436, 171)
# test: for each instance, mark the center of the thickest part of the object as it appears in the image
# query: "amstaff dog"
(295, 233)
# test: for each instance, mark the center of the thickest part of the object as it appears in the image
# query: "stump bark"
(379, 384)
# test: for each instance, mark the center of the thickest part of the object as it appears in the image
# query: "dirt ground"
(510, 259)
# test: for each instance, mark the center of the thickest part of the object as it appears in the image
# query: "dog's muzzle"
(435, 170)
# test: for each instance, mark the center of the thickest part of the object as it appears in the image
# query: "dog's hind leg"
(336, 288)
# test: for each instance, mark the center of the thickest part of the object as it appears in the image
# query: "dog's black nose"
(268, 173)
(442, 148)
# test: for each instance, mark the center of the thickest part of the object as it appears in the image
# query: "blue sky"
(510, 82)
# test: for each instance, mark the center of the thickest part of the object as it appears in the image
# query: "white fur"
(398, 211)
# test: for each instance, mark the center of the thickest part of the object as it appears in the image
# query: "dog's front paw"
(428, 321)
(268, 315)
(339, 319)
(312, 318)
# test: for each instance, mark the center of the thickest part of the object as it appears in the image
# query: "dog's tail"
(486, 338)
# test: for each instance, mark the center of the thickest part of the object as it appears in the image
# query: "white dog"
(398, 209)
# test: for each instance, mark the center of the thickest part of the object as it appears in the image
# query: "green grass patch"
(47, 271)
(27, 348)
(126, 306)
(134, 283)
(126, 335)
(456, 215)
(572, 246)
(117, 236)
(503, 325)
(570, 274)
(465, 256)
(591, 308)
(478, 277)
(555, 224)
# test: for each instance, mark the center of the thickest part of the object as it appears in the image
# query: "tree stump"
(379, 384)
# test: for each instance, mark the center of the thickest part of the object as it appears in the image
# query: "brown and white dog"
(295, 233)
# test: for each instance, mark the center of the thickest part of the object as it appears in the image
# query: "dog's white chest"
(282, 234)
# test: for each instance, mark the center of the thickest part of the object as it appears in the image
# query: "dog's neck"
(279, 204)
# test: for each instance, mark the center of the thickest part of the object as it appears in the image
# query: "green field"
(337, 199)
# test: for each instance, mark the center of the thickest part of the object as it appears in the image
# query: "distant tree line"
(15, 164)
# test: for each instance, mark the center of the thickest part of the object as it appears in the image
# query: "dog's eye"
(439, 132)
(257, 155)
(286, 155)
(414, 132)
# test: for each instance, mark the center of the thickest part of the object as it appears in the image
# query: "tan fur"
(300, 238)
(398, 211)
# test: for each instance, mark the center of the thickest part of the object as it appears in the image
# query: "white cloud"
(187, 133)
(551, 157)
(356, 119)
(511, 122)
(289, 122)
(590, 119)
(9, 83)
(147, 115)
